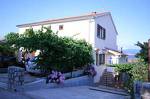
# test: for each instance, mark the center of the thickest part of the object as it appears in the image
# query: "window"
(60, 27)
(96, 58)
(101, 32)
(101, 59)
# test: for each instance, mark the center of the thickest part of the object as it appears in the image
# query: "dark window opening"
(101, 59)
(49, 27)
(101, 32)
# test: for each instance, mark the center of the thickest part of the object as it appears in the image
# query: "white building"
(96, 28)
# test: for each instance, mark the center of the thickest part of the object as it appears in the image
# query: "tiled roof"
(116, 51)
(67, 19)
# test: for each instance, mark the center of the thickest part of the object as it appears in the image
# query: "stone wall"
(15, 77)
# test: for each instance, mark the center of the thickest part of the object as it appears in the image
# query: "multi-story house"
(96, 28)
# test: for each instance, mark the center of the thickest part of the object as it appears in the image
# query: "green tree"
(11, 38)
(61, 53)
(143, 54)
(6, 50)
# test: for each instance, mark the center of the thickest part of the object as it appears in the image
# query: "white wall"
(83, 29)
(86, 29)
(111, 35)
(99, 72)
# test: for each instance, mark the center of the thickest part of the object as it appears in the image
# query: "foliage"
(11, 38)
(6, 50)
(124, 67)
(143, 54)
(57, 53)
(137, 72)
(55, 77)
(7, 55)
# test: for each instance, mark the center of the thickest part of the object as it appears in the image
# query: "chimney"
(94, 13)
(121, 50)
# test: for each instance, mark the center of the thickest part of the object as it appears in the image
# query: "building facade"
(96, 28)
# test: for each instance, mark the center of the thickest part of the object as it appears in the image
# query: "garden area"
(62, 58)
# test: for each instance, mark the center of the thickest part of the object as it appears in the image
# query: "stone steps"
(107, 79)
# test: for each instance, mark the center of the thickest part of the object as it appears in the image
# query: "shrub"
(137, 71)
(7, 55)
(124, 67)
(6, 50)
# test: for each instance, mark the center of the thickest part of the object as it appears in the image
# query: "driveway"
(80, 92)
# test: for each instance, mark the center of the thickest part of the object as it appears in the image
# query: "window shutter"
(104, 34)
(98, 30)
(103, 59)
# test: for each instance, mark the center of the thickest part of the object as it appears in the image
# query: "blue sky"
(131, 17)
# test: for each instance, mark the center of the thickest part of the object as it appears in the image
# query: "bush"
(7, 56)
(124, 67)
(137, 71)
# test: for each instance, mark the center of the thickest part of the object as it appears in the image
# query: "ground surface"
(12, 95)
(37, 89)
(80, 92)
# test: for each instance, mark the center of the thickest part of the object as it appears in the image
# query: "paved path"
(80, 92)
(12, 95)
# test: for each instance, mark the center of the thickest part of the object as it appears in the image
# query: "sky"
(131, 17)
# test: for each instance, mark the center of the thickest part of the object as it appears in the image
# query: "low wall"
(74, 73)
(78, 81)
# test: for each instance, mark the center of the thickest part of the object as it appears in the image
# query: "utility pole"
(149, 60)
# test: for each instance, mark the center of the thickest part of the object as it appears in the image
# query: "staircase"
(107, 79)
